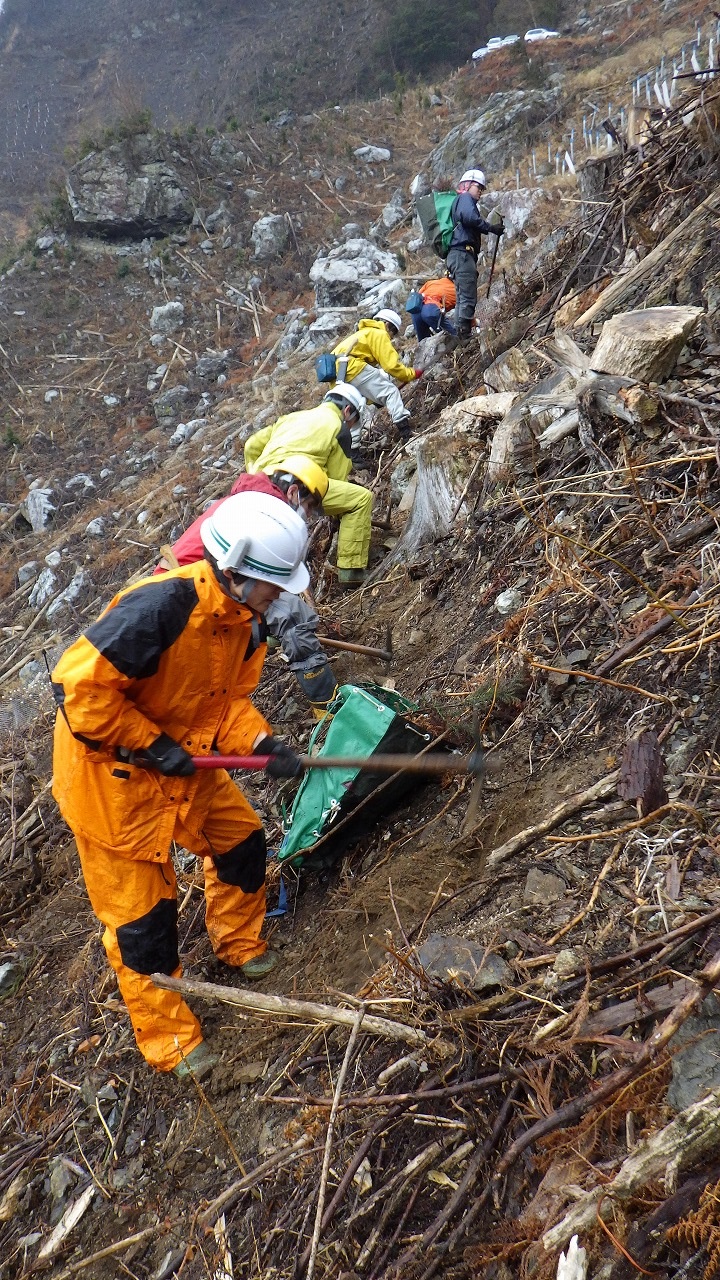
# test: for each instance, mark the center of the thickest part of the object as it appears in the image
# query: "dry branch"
(611, 1086)
(283, 1007)
(232, 1194)
(598, 791)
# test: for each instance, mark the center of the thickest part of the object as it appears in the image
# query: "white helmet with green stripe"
(258, 536)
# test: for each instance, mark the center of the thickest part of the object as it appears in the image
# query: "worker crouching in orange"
(164, 674)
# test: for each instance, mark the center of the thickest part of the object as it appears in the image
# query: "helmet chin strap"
(245, 589)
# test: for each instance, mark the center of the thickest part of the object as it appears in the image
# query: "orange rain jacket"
(441, 293)
(173, 654)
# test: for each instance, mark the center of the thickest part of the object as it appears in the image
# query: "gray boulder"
(503, 130)
(351, 231)
(323, 333)
(168, 406)
(394, 213)
(517, 209)
(373, 155)
(211, 366)
(28, 571)
(350, 272)
(168, 318)
(45, 587)
(128, 189)
(270, 236)
(457, 960)
(39, 508)
(70, 595)
(696, 1066)
(10, 975)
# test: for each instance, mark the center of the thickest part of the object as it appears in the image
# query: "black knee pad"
(244, 864)
(150, 944)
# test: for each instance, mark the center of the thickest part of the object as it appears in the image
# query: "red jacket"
(189, 546)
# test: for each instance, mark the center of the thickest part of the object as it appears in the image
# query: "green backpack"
(362, 721)
(434, 212)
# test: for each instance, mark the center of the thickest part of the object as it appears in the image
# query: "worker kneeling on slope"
(324, 435)
(165, 673)
(373, 363)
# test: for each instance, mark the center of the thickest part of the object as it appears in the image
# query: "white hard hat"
(261, 537)
(391, 317)
(345, 391)
(474, 175)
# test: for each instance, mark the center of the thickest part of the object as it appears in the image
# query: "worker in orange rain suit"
(162, 675)
(323, 434)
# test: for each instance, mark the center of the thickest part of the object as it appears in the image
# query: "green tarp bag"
(362, 721)
(437, 224)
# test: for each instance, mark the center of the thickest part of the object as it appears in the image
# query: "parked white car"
(539, 33)
(495, 42)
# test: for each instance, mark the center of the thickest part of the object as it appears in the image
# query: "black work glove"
(167, 756)
(284, 762)
(498, 229)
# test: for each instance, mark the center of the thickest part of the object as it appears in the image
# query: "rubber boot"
(351, 577)
(198, 1063)
(320, 688)
(259, 966)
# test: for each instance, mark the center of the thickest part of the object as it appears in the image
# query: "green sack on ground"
(364, 720)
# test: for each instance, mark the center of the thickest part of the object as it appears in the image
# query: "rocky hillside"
(69, 67)
(539, 952)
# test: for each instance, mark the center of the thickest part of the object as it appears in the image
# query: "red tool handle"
(231, 762)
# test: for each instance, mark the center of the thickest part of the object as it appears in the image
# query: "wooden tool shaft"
(384, 654)
(429, 764)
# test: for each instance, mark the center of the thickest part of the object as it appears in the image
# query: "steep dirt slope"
(601, 538)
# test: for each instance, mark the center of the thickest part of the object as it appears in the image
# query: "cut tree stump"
(644, 344)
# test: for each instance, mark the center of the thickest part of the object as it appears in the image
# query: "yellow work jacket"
(315, 433)
(173, 654)
(371, 345)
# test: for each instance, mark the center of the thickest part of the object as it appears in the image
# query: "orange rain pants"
(136, 900)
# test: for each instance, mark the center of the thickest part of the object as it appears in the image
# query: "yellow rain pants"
(353, 505)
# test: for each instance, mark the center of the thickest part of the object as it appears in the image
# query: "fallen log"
(655, 278)
(283, 1007)
(656, 1000)
(644, 344)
